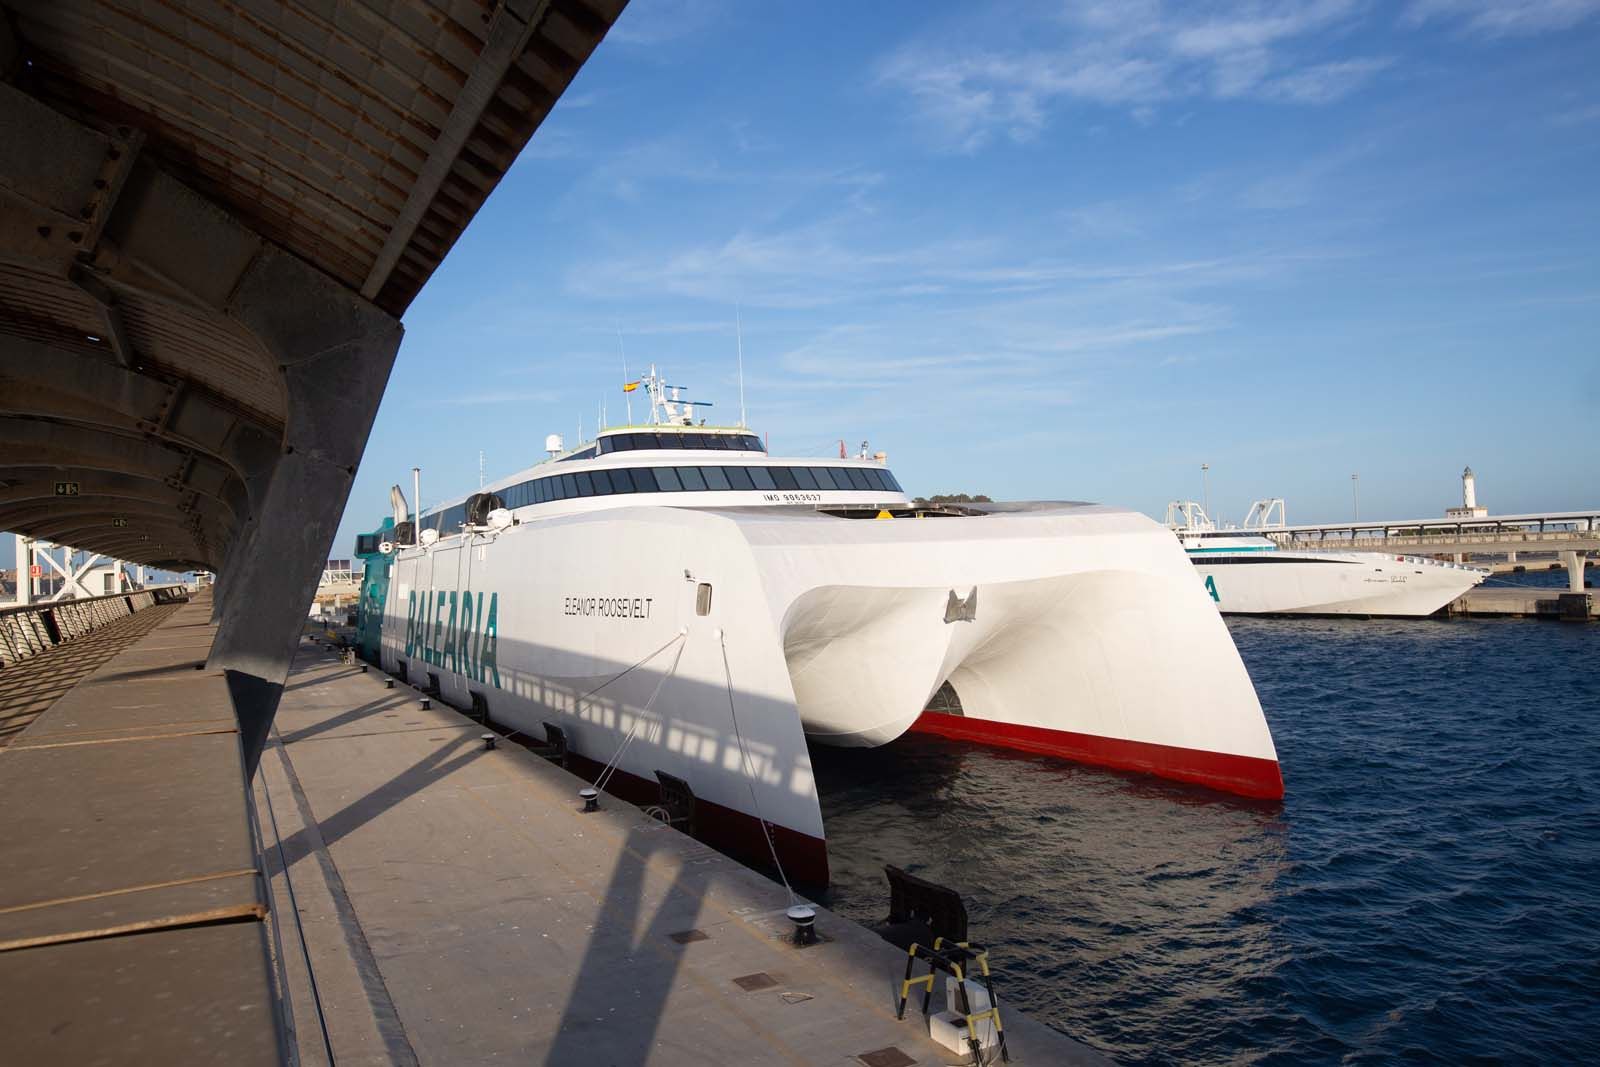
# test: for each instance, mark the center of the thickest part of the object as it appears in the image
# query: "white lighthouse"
(1469, 508)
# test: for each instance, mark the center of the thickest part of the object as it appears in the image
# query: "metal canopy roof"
(199, 199)
(329, 128)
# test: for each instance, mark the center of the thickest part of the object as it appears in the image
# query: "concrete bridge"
(1570, 535)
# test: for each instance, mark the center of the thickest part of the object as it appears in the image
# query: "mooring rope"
(611, 765)
(749, 766)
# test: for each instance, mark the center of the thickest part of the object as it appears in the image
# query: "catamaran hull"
(710, 643)
(1362, 584)
(1086, 639)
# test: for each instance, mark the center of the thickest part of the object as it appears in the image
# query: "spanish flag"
(630, 387)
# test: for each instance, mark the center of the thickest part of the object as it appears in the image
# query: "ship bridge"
(213, 214)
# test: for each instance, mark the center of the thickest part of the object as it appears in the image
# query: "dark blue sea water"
(1428, 891)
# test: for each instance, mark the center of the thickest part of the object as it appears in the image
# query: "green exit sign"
(119, 523)
(66, 489)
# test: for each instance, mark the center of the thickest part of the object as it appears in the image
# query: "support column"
(1573, 561)
(335, 351)
(24, 570)
(1511, 557)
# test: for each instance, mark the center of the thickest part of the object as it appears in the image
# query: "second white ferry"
(1246, 572)
(678, 601)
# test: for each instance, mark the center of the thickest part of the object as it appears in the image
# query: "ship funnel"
(553, 445)
(397, 504)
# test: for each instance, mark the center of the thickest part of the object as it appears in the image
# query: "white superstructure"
(677, 601)
(1245, 572)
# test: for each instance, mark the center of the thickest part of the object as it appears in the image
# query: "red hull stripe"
(1248, 776)
(728, 830)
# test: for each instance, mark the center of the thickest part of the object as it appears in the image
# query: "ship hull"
(710, 644)
(1359, 584)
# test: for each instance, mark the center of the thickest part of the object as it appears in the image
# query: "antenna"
(480, 468)
(738, 332)
(627, 397)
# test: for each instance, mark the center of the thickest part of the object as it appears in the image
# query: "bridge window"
(612, 481)
(688, 439)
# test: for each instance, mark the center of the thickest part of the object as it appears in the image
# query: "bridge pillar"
(1574, 561)
(24, 570)
(334, 351)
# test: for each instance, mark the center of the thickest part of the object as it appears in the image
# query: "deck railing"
(29, 629)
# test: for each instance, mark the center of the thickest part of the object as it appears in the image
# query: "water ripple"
(1426, 893)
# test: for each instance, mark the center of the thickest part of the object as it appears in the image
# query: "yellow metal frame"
(936, 957)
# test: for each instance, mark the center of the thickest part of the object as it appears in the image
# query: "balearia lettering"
(453, 630)
(608, 607)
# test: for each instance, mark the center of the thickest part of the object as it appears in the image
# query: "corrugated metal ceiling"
(313, 121)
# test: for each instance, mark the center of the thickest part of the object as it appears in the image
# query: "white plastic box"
(977, 995)
(949, 1030)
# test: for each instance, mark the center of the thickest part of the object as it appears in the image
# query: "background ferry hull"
(1335, 585)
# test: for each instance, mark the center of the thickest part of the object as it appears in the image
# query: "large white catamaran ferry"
(1246, 572)
(675, 600)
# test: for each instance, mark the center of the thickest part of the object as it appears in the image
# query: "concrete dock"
(458, 907)
(133, 920)
(389, 890)
(1525, 603)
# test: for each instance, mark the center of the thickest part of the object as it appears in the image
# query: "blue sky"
(1053, 251)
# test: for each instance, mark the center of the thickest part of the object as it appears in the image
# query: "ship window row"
(698, 479)
(627, 442)
(447, 521)
(675, 480)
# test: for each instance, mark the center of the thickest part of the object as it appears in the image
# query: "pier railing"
(1488, 541)
(29, 629)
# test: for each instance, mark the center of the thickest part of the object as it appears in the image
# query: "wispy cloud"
(628, 173)
(1133, 55)
(485, 397)
(1303, 183)
(1504, 18)
(1323, 83)
(660, 21)
(1575, 116)
(831, 263)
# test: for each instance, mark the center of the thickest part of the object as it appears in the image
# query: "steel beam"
(509, 31)
(60, 444)
(336, 351)
(76, 202)
(38, 381)
(23, 485)
(10, 48)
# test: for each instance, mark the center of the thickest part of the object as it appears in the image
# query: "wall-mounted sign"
(119, 523)
(66, 489)
(36, 571)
